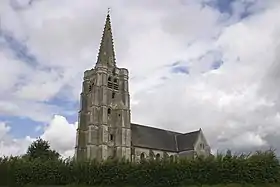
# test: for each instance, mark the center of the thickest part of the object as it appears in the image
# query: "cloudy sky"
(210, 64)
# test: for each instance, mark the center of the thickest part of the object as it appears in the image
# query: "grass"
(219, 185)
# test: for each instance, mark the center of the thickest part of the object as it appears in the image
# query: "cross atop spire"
(106, 54)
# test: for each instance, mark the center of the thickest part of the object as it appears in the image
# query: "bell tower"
(104, 117)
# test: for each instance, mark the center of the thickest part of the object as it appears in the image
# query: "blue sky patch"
(179, 67)
(217, 64)
(227, 7)
(224, 6)
(20, 127)
(69, 109)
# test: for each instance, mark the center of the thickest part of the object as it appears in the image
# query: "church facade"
(104, 126)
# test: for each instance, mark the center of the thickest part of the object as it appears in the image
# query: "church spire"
(106, 54)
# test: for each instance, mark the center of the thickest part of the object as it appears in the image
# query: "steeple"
(106, 54)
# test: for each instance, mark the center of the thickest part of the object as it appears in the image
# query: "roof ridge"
(190, 132)
(158, 128)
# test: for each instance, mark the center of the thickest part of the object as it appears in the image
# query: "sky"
(210, 64)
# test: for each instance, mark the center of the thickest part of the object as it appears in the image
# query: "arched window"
(109, 78)
(109, 111)
(113, 95)
(115, 80)
(201, 146)
(158, 156)
(142, 156)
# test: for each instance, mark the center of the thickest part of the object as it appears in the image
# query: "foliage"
(259, 168)
(40, 149)
(217, 185)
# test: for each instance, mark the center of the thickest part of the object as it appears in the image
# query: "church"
(105, 129)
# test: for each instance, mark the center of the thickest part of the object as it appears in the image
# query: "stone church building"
(105, 129)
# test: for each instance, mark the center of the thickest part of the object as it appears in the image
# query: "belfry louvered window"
(113, 84)
(90, 86)
(110, 84)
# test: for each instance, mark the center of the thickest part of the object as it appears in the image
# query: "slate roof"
(187, 140)
(160, 139)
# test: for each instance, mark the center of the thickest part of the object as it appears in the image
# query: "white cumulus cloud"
(236, 105)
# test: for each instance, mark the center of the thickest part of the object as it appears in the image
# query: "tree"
(40, 149)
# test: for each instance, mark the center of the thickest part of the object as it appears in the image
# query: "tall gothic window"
(142, 156)
(158, 156)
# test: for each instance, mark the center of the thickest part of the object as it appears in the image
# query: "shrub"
(259, 168)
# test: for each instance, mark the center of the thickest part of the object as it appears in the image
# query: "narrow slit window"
(113, 95)
(109, 111)
(111, 137)
(109, 79)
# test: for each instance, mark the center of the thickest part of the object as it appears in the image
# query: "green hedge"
(260, 168)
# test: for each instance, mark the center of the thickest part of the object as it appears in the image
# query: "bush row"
(259, 168)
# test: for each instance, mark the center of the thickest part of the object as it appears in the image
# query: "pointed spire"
(106, 54)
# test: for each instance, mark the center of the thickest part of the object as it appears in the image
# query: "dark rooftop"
(160, 139)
